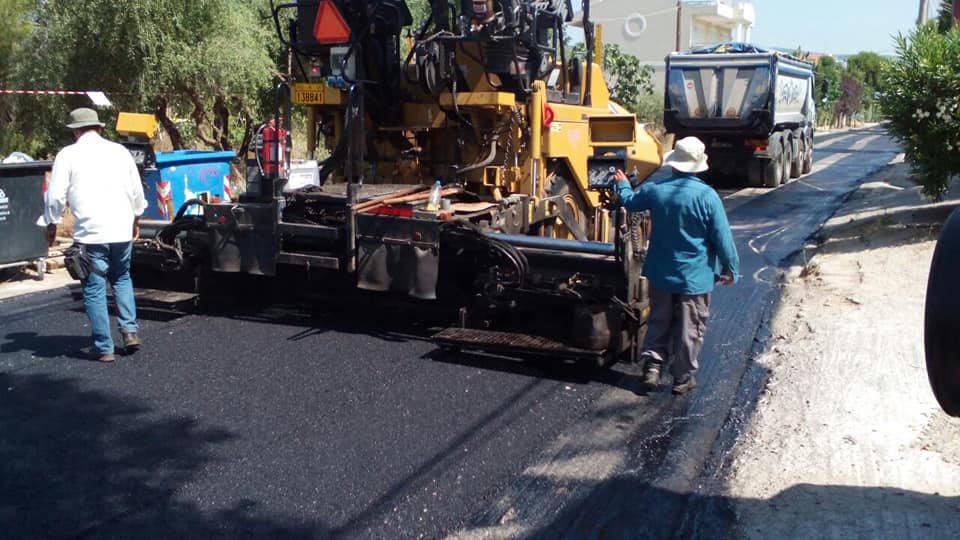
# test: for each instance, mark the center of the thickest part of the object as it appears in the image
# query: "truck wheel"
(786, 159)
(807, 165)
(941, 325)
(796, 164)
(773, 171)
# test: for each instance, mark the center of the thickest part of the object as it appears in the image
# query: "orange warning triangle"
(329, 26)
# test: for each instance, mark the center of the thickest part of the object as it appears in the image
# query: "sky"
(834, 26)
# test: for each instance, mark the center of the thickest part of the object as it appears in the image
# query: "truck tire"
(807, 165)
(941, 325)
(797, 151)
(786, 158)
(774, 168)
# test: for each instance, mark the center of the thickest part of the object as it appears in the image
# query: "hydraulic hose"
(486, 161)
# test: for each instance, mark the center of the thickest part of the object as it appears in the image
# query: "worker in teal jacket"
(691, 249)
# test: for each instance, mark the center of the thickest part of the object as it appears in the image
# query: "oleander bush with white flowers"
(922, 104)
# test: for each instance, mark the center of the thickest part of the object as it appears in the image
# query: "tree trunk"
(163, 116)
(221, 122)
(246, 117)
(200, 118)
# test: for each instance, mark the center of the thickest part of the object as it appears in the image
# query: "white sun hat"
(688, 155)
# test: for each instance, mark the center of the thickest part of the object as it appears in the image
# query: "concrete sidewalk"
(25, 280)
(847, 440)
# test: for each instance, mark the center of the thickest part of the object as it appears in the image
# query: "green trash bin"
(21, 203)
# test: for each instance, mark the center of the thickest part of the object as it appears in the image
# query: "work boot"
(97, 355)
(131, 342)
(684, 384)
(651, 376)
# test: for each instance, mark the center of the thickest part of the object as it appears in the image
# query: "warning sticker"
(4, 206)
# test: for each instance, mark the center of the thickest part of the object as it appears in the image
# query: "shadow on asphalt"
(81, 463)
(411, 322)
(43, 346)
(324, 316)
(84, 463)
(623, 375)
(620, 509)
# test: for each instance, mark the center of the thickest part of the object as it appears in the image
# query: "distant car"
(942, 318)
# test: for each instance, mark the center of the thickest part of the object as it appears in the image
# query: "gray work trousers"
(675, 331)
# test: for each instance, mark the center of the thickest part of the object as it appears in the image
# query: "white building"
(648, 29)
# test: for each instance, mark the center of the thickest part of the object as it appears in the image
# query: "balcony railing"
(730, 11)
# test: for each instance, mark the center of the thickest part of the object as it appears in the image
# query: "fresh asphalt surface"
(307, 425)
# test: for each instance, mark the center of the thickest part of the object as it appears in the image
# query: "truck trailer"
(754, 109)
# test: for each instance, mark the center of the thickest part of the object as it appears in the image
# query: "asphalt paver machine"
(483, 103)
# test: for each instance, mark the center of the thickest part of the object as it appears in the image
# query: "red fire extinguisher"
(271, 149)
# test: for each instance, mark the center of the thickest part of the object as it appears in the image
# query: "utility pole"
(924, 15)
(679, 11)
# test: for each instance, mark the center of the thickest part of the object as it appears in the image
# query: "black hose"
(456, 107)
(486, 161)
(167, 234)
(464, 230)
(339, 154)
(187, 204)
(420, 33)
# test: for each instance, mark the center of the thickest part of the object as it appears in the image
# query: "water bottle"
(433, 204)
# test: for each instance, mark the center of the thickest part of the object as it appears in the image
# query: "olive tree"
(204, 68)
(16, 15)
(627, 78)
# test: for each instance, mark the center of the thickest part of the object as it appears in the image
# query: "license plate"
(308, 94)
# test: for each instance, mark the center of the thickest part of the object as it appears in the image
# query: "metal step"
(173, 300)
(302, 259)
(509, 342)
(314, 231)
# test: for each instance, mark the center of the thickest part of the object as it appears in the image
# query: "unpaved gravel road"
(847, 440)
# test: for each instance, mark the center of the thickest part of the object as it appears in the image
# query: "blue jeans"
(111, 262)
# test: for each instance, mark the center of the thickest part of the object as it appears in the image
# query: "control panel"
(601, 171)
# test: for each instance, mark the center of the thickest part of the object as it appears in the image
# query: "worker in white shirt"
(100, 181)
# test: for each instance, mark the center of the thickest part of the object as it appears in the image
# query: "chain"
(634, 220)
(510, 152)
(508, 148)
(518, 120)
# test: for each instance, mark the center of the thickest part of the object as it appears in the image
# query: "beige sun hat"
(83, 117)
(688, 155)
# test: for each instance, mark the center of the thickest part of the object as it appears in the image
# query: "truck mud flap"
(398, 255)
(242, 237)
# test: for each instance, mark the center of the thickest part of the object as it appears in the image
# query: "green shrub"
(923, 104)
(649, 108)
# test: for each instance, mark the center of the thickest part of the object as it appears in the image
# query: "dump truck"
(524, 245)
(754, 109)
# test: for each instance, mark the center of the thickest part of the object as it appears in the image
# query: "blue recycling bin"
(182, 175)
